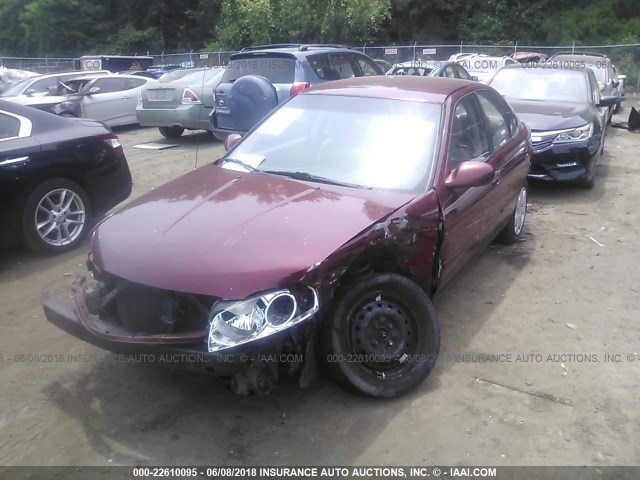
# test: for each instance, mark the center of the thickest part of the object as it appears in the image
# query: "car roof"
(588, 58)
(409, 87)
(72, 72)
(296, 51)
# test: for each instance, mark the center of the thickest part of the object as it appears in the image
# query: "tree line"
(75, 27)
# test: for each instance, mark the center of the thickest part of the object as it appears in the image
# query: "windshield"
(194, 76)
(276, 68)
(173, 75)
(367, 142)
(542, 84)
(17, 88)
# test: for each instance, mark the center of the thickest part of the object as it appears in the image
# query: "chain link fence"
(38, 65)
(626, 58)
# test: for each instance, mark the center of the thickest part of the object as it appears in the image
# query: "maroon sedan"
(321, 235)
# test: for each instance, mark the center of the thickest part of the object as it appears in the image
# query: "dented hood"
(228, 234)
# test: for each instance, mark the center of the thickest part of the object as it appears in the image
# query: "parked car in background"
(567, 117)
(56, 176)
(602, 67)
(183, 103)
(42, 85)
(529, 57)
(160, 70)
(483, 67)
(141, 73)
(415, 177)
(383, 64)
(11, 76)
(431, 68)
(459, 56)
(259, 78)
(111, 99)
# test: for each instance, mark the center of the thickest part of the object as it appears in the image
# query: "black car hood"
(540, 115)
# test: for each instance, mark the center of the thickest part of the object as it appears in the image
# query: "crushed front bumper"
(183, 350)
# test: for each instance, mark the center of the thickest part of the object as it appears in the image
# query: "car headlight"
(259, 316)
(575, 135)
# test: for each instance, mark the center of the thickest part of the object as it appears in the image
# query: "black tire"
(510, 234)
(171, 132)
(81, 222)
(365, 319)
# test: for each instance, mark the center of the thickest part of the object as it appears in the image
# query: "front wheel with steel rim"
(512, 231)
(56, 216)
(382, 336)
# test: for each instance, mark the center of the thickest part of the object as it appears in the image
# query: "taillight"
(111, 139)
(298, 87)
(190, 98)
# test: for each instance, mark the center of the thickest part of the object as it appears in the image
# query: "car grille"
(541, 141)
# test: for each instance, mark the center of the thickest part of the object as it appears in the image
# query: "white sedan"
(112, 99)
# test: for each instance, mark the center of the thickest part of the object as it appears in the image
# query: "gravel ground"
(556, 313)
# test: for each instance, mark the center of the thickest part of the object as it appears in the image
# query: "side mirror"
(29, 92)
(474, 78)
(470, 174)
(607, 101)
(616, 82)
(231, 141)
(93, 90)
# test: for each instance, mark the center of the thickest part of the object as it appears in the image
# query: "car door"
(17, 148)
(110, 103)
(506, 155)
(463, 210)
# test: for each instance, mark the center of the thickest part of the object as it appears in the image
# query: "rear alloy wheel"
(512, 231)
(56, 216)
(171, 132)
(382, 336)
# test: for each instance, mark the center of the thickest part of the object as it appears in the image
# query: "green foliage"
(76, 27)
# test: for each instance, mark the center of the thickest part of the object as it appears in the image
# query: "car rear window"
(197, 76)
(277, 69)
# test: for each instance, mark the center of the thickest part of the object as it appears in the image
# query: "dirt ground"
(549, 310)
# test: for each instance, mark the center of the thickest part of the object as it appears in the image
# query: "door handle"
(10, 161)
(497, 177)
(125, 98)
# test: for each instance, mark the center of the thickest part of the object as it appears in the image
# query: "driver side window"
(468, 134)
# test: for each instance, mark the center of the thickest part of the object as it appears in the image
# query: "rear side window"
(110, 85)
(273, 68)
(134, 82)
(9, 126)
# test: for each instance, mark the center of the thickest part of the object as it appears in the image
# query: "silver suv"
(258, 79)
